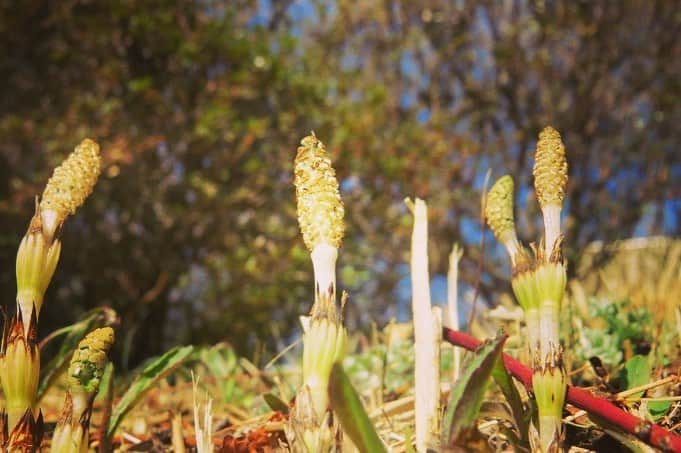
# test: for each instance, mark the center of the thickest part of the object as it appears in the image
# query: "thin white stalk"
(453, 303)
(426, 383)
(203, 425)
(434, 398)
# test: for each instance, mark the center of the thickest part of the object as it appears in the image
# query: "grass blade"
(347, 406)
(150, 375)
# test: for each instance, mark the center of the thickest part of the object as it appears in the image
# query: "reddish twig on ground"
(648, 432)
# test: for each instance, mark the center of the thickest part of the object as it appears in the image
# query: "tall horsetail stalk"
(320, 216)
(84, 375)
(37, 259)
(539, 279)
(549, 375)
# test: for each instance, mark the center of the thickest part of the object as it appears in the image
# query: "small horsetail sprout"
(550, 181)
(499, 215)
(89, 360)
(84, 375)
(320, 216)
(550, 379)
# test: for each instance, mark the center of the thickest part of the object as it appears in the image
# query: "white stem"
(551, 215)
(512, 247)
(425, 376)
(434, 370)
(324, 258)
(533, 331)
(549, 326)
(453, 303)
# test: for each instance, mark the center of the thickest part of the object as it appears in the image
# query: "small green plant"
(611, 326)
(84, 376)
(320, 215)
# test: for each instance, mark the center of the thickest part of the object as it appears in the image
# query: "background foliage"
(191, 233)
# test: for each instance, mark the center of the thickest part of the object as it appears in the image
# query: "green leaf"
(637, 372)
(510, 391)
(98, 317)
(150, 375)
(658, 409)
(354, 419)
(469, 390)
